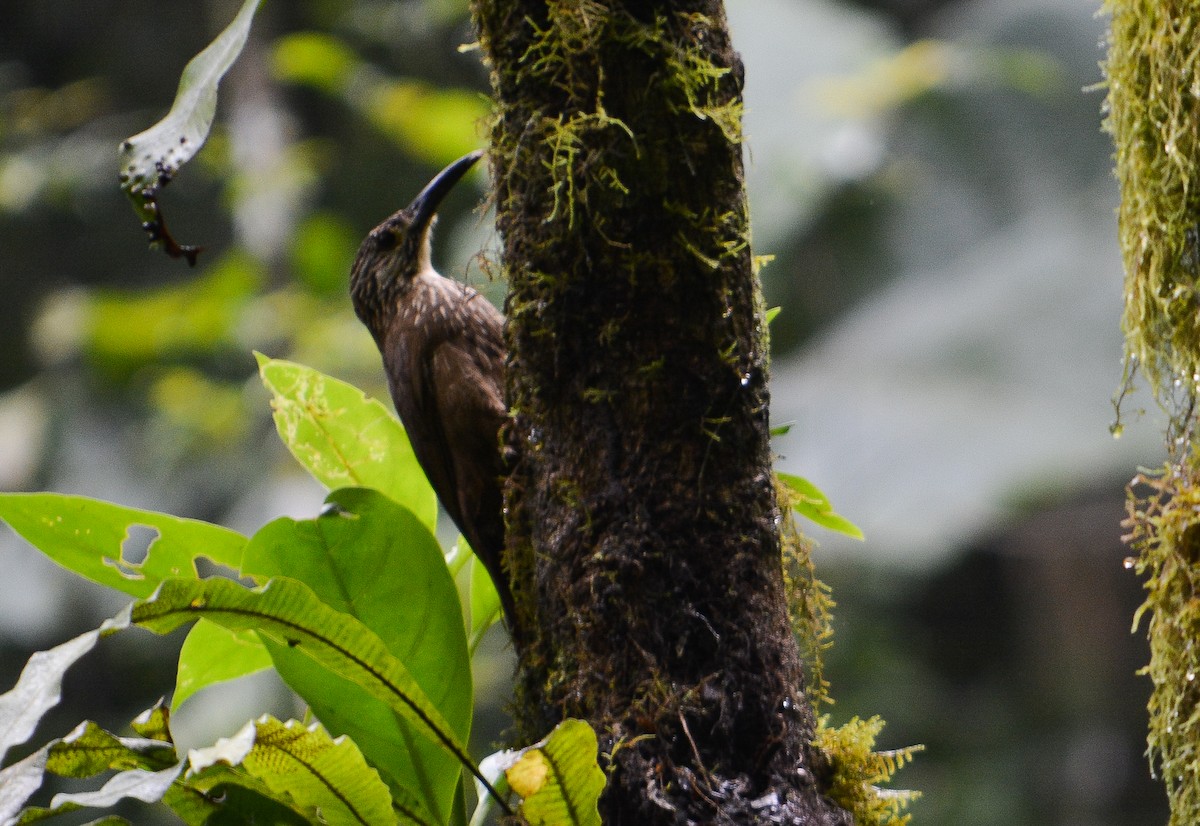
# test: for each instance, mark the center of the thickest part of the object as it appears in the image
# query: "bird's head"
(397, 250)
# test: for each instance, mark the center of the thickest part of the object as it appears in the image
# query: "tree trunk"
(643, 527)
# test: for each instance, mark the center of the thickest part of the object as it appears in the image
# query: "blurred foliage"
(429, 122)
(928, 66)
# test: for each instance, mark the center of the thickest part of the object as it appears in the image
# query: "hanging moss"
(854, 771)
(1154, 117)
(810, 602)
(1164, 528)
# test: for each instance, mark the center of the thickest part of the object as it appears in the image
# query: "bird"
(443, 350)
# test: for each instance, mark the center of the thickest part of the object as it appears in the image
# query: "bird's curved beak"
(427, 201)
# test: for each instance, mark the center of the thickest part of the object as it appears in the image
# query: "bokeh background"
(932, 180)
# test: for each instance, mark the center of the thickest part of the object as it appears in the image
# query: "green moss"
(857, 771)
(598, 395)
(1153, 75)
(1153, 108)
(1164, 527)
(810, 602)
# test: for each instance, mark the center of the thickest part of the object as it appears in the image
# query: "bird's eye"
(387, 240)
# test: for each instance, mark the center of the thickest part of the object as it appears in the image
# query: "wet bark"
(642, 521)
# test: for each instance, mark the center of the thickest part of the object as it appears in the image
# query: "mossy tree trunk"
(643, 525)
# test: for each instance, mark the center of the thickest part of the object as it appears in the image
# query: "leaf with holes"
(103, 541)
(343, 438)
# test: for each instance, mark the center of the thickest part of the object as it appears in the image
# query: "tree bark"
(642, 522)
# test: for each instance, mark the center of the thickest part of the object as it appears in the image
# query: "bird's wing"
(470, 407)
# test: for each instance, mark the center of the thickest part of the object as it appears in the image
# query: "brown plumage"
(443, 350)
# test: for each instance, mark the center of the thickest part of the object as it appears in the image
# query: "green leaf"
(349, 556)
(90, 750)
(345, 439)
(287, 613)
(95, 539)
(212, 654)
(812, 504)
(150, 159)
(560, 779)
(154, 724)
(229, 803)
(306, 766)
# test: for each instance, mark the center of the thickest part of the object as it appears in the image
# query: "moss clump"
(856, 770)
(1164, 527)
(1153, 108)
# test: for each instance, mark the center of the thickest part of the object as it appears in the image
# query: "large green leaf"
(345, 439)
(95, 539)
(352, 557)
(150, 159)
(287, 613)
